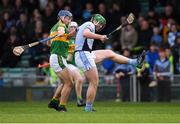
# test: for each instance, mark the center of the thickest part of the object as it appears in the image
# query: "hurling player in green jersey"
(59, 53)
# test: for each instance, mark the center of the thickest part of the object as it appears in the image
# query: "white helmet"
(73, 24)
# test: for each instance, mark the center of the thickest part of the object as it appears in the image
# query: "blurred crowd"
(156, 30)
(25, 21)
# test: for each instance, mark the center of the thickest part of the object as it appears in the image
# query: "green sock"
(55, 101)
(79, 97)
(63, 105)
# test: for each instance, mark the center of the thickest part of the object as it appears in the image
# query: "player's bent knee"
(94, 85)
(80, 80)
(110, 53)
(95, 80)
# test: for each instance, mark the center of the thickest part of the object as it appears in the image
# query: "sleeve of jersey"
(63, 38)
(91, 27)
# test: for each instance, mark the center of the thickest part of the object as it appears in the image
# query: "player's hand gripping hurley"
(129, 20)
(18, 50)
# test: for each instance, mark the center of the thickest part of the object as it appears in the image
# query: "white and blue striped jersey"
(82, 43)
(171, 37)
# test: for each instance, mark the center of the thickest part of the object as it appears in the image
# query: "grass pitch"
(107, 112)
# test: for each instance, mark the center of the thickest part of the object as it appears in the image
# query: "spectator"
(42, 3)
(5, 6)
(36, 15)
(144, 80)
(128, 37)
(176, 54)
(49, 18)
(8, 58)
(87, 13)
(31, 5)
(67, 7)
(59, 5)
(152, 18)
(38, 29)
(168, 12)
(103, 11)
(152, 56)
(144, 34)
(8, 22)
(113, 22)
(33, 23)
(141, 18)
(176, 7)
(18, 9)
(108, 65)
(166, 25)
(22, 26)
(172, 35)
(167, 19)
(170, 57)
(156, 38)
(163, 73)
(37, 51)
(116, 15)
(123, 72)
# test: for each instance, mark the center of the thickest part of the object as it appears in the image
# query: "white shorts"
(85, 60)
(72, 67)
(57, 63)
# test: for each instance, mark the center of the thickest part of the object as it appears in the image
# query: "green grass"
(106, 112)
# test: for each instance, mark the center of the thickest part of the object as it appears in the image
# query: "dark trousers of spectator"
(164, 91)
(145, 90)
(153, 93)
(125, 88)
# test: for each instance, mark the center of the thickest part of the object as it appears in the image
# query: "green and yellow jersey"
(60, 44)
(71, 45)
(71, 50)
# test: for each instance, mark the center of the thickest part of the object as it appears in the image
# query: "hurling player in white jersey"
(86, 59)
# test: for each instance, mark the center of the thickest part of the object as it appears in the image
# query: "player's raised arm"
(88, 34)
